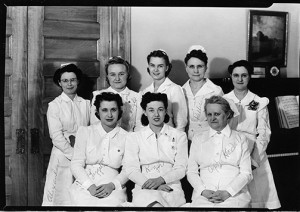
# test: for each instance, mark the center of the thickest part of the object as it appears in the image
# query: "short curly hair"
(241, 63)
(67, 68)
(221, 101)
(108, 96)
(150, 97)
(161, 54)
(197, 54)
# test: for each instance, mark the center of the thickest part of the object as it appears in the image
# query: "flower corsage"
(253, 105)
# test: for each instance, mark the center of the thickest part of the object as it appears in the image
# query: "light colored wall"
(222, 31)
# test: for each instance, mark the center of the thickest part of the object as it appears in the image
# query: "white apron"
(99, 174)
(144, 197)
(56, 191)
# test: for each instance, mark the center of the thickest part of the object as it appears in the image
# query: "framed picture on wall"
(267, 38)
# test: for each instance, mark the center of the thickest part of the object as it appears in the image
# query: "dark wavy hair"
(117, 60)
(221, 101)
(108, 96)
(244, 63)
(161, 54)
(150, 97)
(67, 68)
(197, 54)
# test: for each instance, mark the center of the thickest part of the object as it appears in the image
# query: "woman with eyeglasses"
(65, 114)
(117, 76)
(159, 67)
(197, 89)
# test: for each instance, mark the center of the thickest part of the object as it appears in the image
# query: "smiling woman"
(98, 156)
(156, 157)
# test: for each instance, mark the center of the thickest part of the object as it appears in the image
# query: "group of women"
(157, 137)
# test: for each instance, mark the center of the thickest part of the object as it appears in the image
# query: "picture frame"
(267, 38)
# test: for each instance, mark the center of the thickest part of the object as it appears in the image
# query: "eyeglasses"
(69, 80)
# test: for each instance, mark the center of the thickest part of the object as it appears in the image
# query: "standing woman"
(117, 76)
(159, 67)
(156, 157)
(197, 89)
(65, 114)
(254, 122)
(98, 157)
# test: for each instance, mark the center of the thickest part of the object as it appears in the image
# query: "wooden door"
(15, 106)
(57, 35)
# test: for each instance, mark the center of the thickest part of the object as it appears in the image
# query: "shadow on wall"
(135, 82)
(218, 68)
(178, 74)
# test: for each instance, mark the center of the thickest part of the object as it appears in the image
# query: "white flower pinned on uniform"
(196, 47)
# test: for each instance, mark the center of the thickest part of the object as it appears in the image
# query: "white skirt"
(58, 180)
(144, 197)
(99, 174)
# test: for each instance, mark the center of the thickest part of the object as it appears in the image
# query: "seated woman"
(117, 76)
(98, 156)
(219, 166)
(156, 157)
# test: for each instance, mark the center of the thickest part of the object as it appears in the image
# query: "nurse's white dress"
(220, 161)
(255, 124)
(196, 116)
(64, 116)
(97, 159)
(177, 107)
(147, 157)
(131, 103)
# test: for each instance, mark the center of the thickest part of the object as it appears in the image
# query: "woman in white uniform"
(159, 67)
(197, 89)
(254, 122)
(156, 157)
(98, 157)
(117, 76)
(64, 115)
(219, 166)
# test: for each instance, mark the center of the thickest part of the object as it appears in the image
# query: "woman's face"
(216, 117)
(69, 83)
(157, 68)
(195, 68)
(108, 112)
(240, 78)
(155, 112)
(117, 76)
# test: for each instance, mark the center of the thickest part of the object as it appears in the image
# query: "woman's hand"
(101, 191)
(153, 183)
(165, 187)
(220, 196)
(208, 194)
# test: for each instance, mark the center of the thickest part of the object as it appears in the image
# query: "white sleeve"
(78, 161)
(132, 161)
(56, 130)
(181, 158)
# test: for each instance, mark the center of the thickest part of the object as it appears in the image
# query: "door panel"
(15, 101)
(38, 40)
